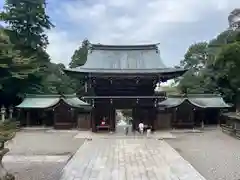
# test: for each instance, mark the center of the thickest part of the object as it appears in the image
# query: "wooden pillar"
(218, 117)
(113, 119)
(135, 118)
(174, 119)
(28, 118)
(86, 86)
(93, 120)
(109, 109)
(191, 117)
(154, 118)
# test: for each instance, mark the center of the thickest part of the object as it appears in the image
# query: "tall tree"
(56, 81)
(79, 58)
(26, 22)
(196, 56)
(195, 60)
(14, 69)
(80, 55)
(227, 73)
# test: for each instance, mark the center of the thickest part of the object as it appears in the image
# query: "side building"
(190, 110)
(59, 111)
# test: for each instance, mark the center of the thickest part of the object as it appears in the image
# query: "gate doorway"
(123, 120)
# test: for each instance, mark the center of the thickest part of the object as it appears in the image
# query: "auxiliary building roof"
(198, 100)
(130, 59)
(36, 101)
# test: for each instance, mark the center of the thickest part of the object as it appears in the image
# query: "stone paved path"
(121, 135)
(128, 159)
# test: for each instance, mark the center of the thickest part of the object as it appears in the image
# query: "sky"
(175, 24)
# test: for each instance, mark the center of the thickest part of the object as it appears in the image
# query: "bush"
(8, 177)
(8, 125)
(7, 132)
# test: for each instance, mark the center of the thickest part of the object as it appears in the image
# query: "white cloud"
(61, 47)
(126, 21)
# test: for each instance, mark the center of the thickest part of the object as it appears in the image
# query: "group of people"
(141, 129)
(144, 128)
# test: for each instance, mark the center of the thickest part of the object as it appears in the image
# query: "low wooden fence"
(231, 130)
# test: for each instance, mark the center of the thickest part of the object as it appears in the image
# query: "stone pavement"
(121, 135)
(128, 159)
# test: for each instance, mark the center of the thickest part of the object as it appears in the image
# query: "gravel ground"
(214, 154)
(35, 171)
(44, 143)
(41, 143)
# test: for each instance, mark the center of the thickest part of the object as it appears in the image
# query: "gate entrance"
(123, 77)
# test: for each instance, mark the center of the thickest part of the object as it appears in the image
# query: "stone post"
(10, 112)
(3, 111)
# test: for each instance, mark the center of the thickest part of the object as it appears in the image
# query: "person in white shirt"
(141, 127)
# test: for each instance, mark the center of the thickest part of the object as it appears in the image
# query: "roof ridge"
(124, 47)
(193, 95)
(50, 95)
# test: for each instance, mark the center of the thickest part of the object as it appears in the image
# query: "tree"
(79, 58)
(26, 22)
(80, 55)
(227, 73)
(14, 69)
(234, 19)
(56, 81)
(196, 56)
(195, 60)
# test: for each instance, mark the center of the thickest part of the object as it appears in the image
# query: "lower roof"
(198, 100)
(127, 71)
(36, 101)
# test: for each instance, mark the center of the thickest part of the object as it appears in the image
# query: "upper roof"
(124, 59)
(198, 100)
(37, 101)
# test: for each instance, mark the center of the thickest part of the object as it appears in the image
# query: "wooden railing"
(231, 130)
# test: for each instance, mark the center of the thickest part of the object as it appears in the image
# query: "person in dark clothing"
(126, 130)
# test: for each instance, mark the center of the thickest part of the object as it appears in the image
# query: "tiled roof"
(124, 59)
(199, 100)
(37, 101)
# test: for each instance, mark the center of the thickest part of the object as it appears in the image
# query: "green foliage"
(227, 73)
(24, 62)
(56, 81)
(127, 112)
(80, 55)
(195, 60)
(8, 176)
(27, 22)
(79, 58)
(7, 131)
(196, 56)
(214, 67)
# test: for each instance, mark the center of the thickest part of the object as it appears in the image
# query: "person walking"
(141, 127)
(126, 130)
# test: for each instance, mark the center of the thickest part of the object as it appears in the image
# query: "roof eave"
(126, 71)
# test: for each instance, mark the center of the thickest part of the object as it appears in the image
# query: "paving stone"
(128, 159)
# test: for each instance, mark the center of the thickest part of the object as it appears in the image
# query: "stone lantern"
(3, 111)
(10, 112)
